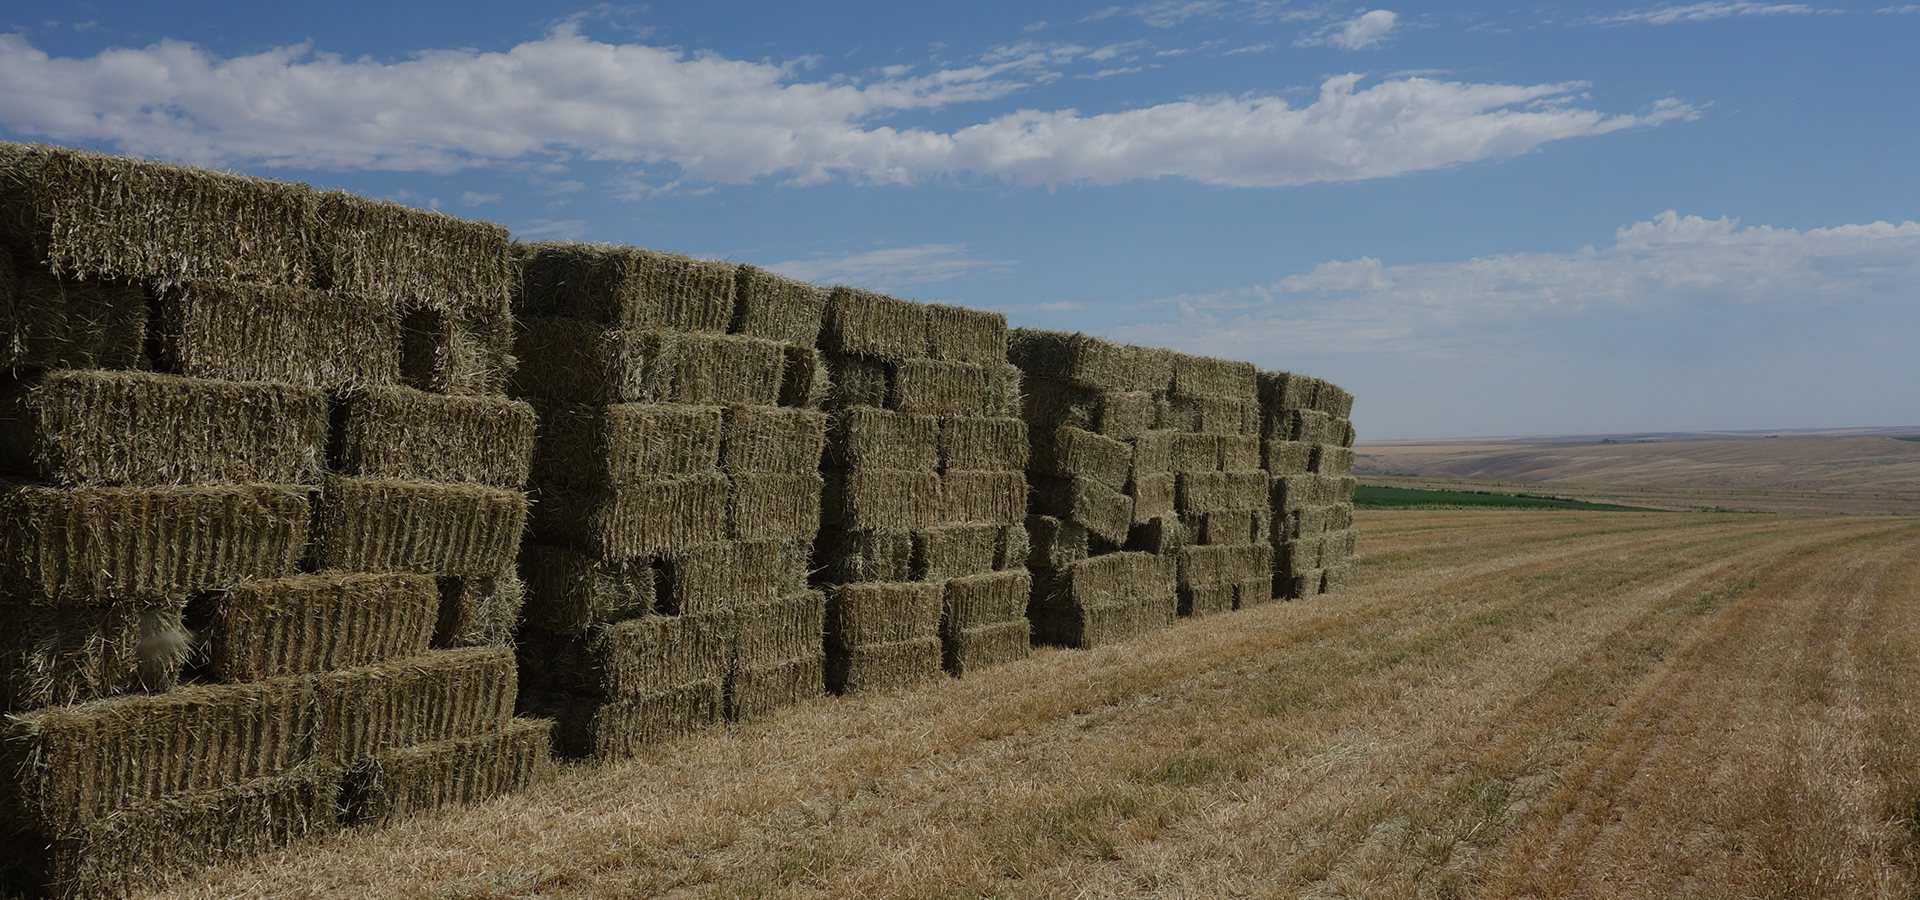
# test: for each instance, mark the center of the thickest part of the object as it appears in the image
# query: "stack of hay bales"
(678, 488)
(922, 547)
(249, 574)
(1307, 445)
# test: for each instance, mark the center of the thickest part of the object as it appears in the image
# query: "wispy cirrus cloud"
(1703, 12)
(892, 268)
(1359, 33)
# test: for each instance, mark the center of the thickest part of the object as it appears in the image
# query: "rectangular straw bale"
(1303, 522)
(876, 667)
(1194, 452)
(1299, 585)
(1005, 390)
(400, 784)
(1053, 402)
(1106, 625)
(449, 351)
(1206, 601)
(872, 438)
(411, 255)
(1335, 578)
(1340, 545)
(1088, 361)
(1301, 554)
(770, 306)
(582, 444)
(772, 439)
(1329, 459)
(1333, 400)
(873, 324)
(882, 613)
(1293, 492)
(856, 381)
(1161, 535)
(67, 766)
(1125, 415)
(1213, 415)
(1205, 376)
(568, 360)
(882, 500)
(1229, 526)
(1011, 552)
(1303, 425)
(90, 215)
(984, 444)
(718, 577)
(479, 610)
(1153, 452)
(315, 623)
(1199, 492)
(291, 334)
(1105, 512)
(727, 368)
(52, 322)
(937, 388)
(1153, 496)
(976, 601)
(754, 692)
(958, 334)
(791, 627)
(645, 656)
(138, 428)
(974, 649)
(53, 656)
(998, 498)
(626, 287)
(1054, 542)
(1240, 453)
(625, 728)
(402, 433)
(1344, 435)
(1281, 458)
(643, 517)
(954, 550)
(1104, 599)
(859, 555)
(96, 544)
(1340, 516)
(1211, 565)
(569, 592)
(143, 846)
(770, 507)
(1068, 451)
(387, 525)
(804, 379)
(1254, 591)
(1119, 579)
(1286, 390)
(438, 696)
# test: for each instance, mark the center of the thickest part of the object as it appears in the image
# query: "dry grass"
(1501, 704)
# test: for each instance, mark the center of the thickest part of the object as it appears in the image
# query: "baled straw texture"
(1070, 451)
(387, 525)
(881, 500)
(1280, 391)
(857, 380)
(863, 614)
(569, 593)
(1304, 425)
(456, 352)
(585, 727)
(1053, 402)
(864, 437)
(52, 322)
(977, 601)
(958, 334)
(728, 368)
(971, 650)
(1089, 362)
(1240, 453)
(984, 444)
(1205, 376)
(117, 428)
(755, 692)
(804, 380)
(772, 439)
(1161, 535)
(1332, 460)
(402, 433)
(1125, 415)
(582, 444)
(994, 498)
(1213, 415)
(1055, 542)
(848, 556)
(437, 696)
(479, 610)
(720, 577)
(1153, 452)
(877, 667)
(1215, 565)
(644, 517)
(1207, 601)
(645, 656)
(63, 656)
(1194, 452)
(936, 388)
(767, 507)
(876, 325)
(626, 287)
(96, 544)
(400, 784)
(955, 550)
(790, 628)
(1199, 492)
(1333, 400)
(1153, 496)
(1282, 458)
(291, 334)
(1254, 591)
(316, 623)
(1104, 599)
(568, 360)
(769, 306)
(412, 257)
(1105, 512)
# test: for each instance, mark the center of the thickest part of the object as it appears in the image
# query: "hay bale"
(143, 846)
(983, 498)
(754, 692)
(572, 361)
(111, 428)
(852, 556)
(984, 444)
(970, 650)
(641, 657)
(236, 331)
(410, 255)
(955, 550)
(1013, 548)
(643, 517)
(314, 623)
(1284, 390)
(437, 696)
(1125, 415)
(1333, 460)
(1300, 555)
(867, 499)
(1161, 535)
(1202, 492)
(98, 544)
(1299, 585)
(402, 433)
(1053, 402)
(1293, 492)
(1005, 391)
(387, 525)
(1304, 425)
(804, 379)
(51, 322)
(719, 577)
(1240, 453)
(772, 439)
(1214, 565)
(1213, 415)
(1281, 458)
(728, 368)
(1333, 400)
(765, 507)
(1088, 361)
(880, 439)
(1153, 496)
(791, 627)
(871, 324)
(479, 610)
(1103, 599)
(626, 287)
(1340, 516)
(1105, 512)
(933, 387)
(1067, 452)
(1345, 435)
(400, 784)
(1204, 376)
(1206, 601)
(1054, 542)
(978, 601)
(623, 729)
(582, 444)
(857, 381)
(859, 615)
(456, 351)
(1153, 453)
(1335, 578)
(879, 667)
(1194, 452)
(958, 334)
(776, 308)
(89, 215)
(1254, 591)
(1231, 526)
(63, 656)
(1337, 547)
(1303, 522)
(68, 766)
(569, 593)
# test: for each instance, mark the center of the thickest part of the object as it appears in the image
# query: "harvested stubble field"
(1502, 704)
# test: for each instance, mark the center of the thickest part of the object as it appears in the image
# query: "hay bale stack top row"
(1306, 442)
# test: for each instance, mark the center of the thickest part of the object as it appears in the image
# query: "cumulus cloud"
(893, 267)
(1366, 30)
(1705, 12)
(704, 118)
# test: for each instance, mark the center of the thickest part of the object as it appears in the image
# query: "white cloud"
(1705, 12)
(893, 267)
(1366, 30)
(475, 198)
(1161, 14)
(684, 118)
(1682, 321)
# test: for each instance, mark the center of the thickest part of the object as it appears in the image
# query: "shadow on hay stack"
(1307, 443)
(233, 534)
(921, 548)
(678, 487)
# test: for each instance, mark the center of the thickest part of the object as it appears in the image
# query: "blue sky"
(1483, 219)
